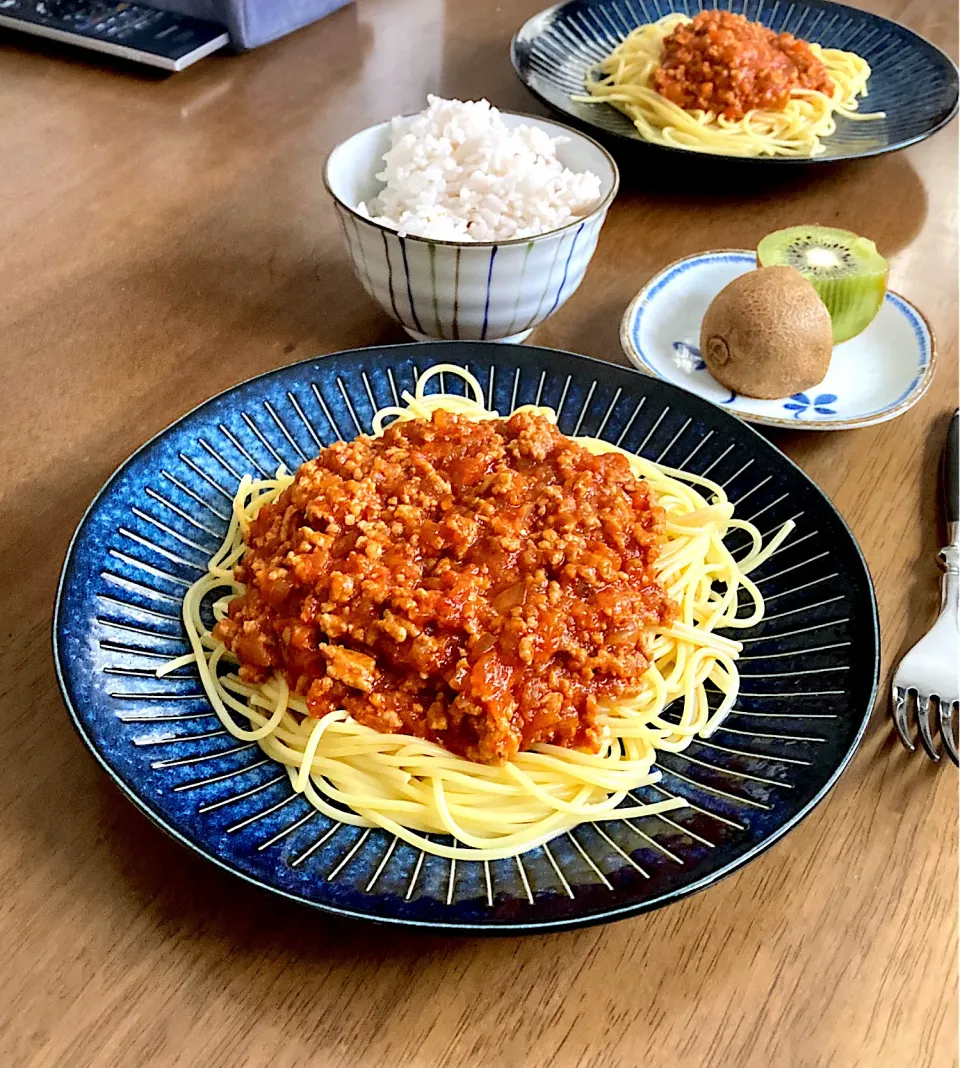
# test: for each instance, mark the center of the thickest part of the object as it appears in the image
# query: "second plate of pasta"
(598, 62)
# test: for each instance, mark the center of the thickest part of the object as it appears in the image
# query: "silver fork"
(929, 675)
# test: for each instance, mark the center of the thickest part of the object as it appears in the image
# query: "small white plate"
(873, 377)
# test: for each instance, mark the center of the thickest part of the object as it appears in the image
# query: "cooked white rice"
(455, 172)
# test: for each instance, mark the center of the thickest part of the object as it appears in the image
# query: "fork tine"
(899, 700)
(923, 723)
(945, 723)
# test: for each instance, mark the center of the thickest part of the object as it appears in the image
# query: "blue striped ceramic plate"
(809, 670)
(912, 80)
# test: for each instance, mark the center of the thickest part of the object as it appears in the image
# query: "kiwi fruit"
(846, 270)
(767, 334)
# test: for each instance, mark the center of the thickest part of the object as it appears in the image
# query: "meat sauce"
(724, 63)
(483, 585)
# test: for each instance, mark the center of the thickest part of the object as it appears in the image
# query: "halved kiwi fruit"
(847, 272)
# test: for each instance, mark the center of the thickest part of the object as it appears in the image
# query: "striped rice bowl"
(465, 222)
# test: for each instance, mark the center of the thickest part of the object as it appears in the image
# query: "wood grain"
(161, 240)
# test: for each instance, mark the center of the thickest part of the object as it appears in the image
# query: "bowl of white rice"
(465, 222)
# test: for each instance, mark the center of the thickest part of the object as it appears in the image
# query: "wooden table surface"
(161, 240)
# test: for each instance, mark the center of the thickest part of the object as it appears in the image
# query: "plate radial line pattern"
(231, 805)
(912, 81)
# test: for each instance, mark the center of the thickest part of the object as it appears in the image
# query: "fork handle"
(950, 480)
(950, 488)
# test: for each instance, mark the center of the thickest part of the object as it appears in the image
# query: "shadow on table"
(847, 195)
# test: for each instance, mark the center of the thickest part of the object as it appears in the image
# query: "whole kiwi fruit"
(767, 334)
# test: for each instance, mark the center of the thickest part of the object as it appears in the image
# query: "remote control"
(134, 31)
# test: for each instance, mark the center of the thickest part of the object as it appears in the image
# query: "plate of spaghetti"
(743, 79)
(440, 636)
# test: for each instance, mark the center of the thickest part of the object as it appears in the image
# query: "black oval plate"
(912, 80)
(809, 670)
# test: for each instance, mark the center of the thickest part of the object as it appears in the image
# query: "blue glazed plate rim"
(630, 325)
(523, 35)
(466, 928)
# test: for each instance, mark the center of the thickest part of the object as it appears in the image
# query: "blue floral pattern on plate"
(691, 353)
(800, 403)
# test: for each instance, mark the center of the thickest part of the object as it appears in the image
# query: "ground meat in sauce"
(723, 63)
(480, 584)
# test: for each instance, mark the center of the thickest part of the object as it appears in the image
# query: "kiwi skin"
(767, 334)
(853, 289)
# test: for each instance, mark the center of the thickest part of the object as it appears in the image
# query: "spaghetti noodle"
(413, 787)
(627, 79)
